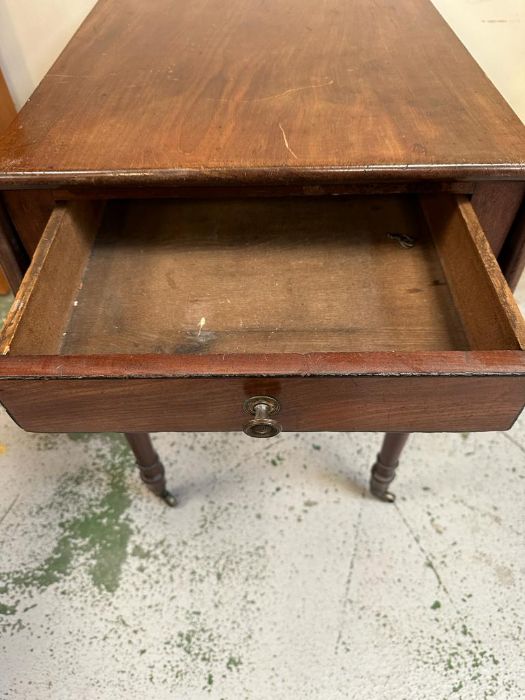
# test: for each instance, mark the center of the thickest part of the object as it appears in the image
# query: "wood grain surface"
(490, 314)
(49, 288)
(450, 363)
(27, 211)
(13, 258)
(275, 275)
(7, 107)
(385, 403)
(512, 259)
(279, 275)
(405, 391)
(496, 205)
(169, 91)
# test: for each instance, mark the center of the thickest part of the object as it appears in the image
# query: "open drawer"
(381, 313)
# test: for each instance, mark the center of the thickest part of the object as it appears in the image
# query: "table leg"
(384, 470)
(151, 468)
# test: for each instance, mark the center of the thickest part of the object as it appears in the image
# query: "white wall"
(33, 32)
(494, 33)
(32, 35)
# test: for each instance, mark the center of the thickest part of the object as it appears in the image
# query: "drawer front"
(425, 403)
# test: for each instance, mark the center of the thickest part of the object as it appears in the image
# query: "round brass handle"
(262, 425)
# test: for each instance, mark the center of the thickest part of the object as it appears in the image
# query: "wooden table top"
(262, 91)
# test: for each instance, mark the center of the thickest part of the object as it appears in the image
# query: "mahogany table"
(263, 215)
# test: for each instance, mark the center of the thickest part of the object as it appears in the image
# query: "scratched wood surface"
(243, 276)
(169, 91)
(264, 276)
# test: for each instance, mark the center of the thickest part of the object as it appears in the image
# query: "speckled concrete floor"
(276, 577)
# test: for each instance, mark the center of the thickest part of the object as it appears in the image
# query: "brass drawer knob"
(262, 425)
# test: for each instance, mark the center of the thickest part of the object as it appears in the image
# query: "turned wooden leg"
(151, 468)
(384, 470)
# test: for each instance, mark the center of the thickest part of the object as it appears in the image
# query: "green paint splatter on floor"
(80, 437)
(95, 534)
(140, 552)
(46, 442)
(462, 657)
(233, 663)
(435, 605)
(7, 609)
(203, 650)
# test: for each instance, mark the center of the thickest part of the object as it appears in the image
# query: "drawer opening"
(342, 274)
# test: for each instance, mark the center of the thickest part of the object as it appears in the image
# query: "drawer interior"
(339, 274)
